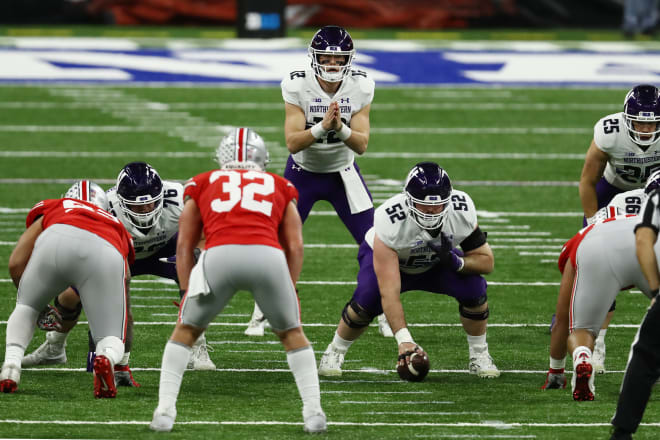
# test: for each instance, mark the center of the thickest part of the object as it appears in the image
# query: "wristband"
(318, 131)
(403, 335)
(344, 132)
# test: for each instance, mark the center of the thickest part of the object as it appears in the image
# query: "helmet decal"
(242, 148)
(89, 192)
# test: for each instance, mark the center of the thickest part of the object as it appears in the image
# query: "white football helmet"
(89, 192)
(242, 148)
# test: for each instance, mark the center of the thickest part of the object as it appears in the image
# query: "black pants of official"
(642, 372)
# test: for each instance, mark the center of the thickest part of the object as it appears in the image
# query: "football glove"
(447, 256)
(49, 319)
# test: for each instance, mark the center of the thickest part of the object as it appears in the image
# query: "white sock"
(175, 359)
(600, 340)
(125, 358)
(477, 344)
(56, 338)
(579, 351)
(200, 341)
(303, 366)
(557, 364)
(111, 347)
(20, 328)
(340, 344)
(257, 314)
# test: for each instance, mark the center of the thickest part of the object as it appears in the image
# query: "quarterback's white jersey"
(395, 228)
(628, 166)
(149, 242)
(302, 89)
(625, 203)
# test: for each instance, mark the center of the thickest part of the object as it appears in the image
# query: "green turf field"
(517, 152)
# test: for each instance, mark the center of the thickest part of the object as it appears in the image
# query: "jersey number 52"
(237, 190)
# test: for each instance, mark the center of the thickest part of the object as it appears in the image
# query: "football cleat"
(124, 377)
(10, 377)
(163, 420)
(620, 434)
(554, 380)
(257, 327)
(49, 319)
(482, 365)
(199, 358)
(582, 381)
(316, 423)
(598, 359)
(331, 362)
(384, 326)
(46, 354)
(104, 378)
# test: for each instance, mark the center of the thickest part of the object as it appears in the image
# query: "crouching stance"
(412, 246)
(596, 264)
(71, 242)
(253, 242)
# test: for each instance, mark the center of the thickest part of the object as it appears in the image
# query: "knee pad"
(612, 307)
(111, 347)
(360, 317)
(68, 314)
(476, 316)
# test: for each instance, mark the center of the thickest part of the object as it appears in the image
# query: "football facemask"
(642, 105)
(428, 185)
(140, 194)
(331, 40)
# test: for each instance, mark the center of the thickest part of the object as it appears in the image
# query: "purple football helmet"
(140, 194)
(652, 183)
(642, 104)
(331, 40)
(428, 185)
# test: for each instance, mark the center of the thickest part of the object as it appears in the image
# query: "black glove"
(447, 256)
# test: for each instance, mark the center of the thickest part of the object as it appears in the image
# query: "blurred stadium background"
(503, 94)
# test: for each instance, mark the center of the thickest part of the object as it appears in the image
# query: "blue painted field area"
(124, 61)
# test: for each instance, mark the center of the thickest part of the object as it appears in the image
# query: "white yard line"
(485, 424)
(221, 129)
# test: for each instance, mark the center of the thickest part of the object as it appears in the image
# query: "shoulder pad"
(294, 81)
(365, 82)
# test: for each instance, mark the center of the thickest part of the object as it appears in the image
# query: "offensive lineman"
(326, 123)
(254, 235)
(412, 246)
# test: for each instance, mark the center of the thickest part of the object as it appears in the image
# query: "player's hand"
(332, 119)
(448, 256)
(405, 350)
(49, 319)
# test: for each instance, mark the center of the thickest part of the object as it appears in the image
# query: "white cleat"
(257, 327)
(316, 423)
(46, 354)
(199, 358)
(482, 365)
(384, 327)
(163, 421)
(331, 362)
(598, 359)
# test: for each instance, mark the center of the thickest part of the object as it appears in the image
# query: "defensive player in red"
(83, 246)
(253, 242)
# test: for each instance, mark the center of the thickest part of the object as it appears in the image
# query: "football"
(416, 369)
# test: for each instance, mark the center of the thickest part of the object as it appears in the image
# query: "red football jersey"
(241, 206)
(85, 216)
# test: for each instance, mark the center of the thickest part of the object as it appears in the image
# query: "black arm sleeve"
(474, 240)
(650, 211)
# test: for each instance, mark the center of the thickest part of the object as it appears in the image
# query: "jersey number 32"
(242, 187)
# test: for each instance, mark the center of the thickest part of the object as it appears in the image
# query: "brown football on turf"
(416, 369)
